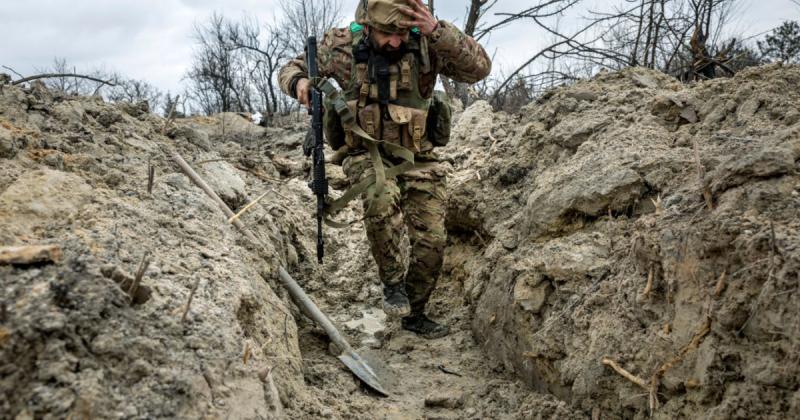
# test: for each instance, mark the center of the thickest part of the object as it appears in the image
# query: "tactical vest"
(385, 98)
(383, 112)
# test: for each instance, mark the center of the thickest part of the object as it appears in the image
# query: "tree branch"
(54, 75)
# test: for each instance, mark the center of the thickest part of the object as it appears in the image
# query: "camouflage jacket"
(452, 53)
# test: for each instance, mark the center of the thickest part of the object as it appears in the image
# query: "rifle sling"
(373, 146)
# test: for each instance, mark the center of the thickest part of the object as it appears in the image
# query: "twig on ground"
(264, 374)
(494, 141)
(247, 352)
(151, 177)
(247, 207)
(189, 301)
(286, 330)
(170, 116)
(480, 237)
(143, 266)
(448, 371)
(203, 162)
(701, 175)
(720, 284)
(256, 174)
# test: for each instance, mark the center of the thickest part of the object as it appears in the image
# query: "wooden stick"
(203, 162)
(139, 274)
(247, 207)
(189, 302)
(221, 204)
(170, 116)
(257, 174)
(151, 175)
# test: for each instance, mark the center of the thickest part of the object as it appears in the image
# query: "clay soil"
(627, 218)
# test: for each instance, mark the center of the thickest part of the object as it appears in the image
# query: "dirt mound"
(75, 338)
(634, 219)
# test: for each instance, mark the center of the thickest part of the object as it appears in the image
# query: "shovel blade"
(363, 371)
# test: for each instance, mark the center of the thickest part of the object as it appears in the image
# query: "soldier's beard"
(391, 54)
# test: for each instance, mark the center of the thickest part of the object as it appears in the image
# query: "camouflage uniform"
(414, 201)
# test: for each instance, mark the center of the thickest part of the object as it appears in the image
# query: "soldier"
(387, 63)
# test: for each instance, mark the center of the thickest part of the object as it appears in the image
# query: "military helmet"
(384, 15)
(361, 12)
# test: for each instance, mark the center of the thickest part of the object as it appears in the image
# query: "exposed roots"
(651, 386)
(649, 287)
(625, 374)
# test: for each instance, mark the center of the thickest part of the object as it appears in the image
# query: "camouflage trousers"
(414, 204)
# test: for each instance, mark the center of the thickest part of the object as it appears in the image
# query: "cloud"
(152, 39)
(146, 39)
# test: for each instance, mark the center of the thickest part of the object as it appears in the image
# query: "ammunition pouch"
(440, 117)
(332, 125)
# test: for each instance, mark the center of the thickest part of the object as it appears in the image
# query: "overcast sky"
(152, 39)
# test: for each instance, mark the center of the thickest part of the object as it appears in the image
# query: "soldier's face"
(388, 41)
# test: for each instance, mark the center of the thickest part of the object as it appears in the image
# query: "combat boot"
(395, 301)
(420, 324)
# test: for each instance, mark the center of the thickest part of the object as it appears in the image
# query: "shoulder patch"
(355, 27)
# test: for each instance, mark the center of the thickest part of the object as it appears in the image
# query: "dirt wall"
(654, 225)
(76, 339)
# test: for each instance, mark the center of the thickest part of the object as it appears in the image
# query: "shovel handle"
(311, 310)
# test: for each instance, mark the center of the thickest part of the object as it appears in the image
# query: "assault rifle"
(316, 147)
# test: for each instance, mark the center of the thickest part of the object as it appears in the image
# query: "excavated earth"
(626, 224)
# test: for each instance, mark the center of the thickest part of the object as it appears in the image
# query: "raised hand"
(420, 17)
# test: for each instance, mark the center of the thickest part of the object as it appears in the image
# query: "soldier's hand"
(302, 92)
(420, 16)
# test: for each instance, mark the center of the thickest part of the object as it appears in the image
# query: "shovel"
(348, 356)
(357, 364)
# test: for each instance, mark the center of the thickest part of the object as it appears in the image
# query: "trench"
(446, 378)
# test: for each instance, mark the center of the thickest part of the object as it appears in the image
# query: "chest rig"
(382, 111)
(385, 97)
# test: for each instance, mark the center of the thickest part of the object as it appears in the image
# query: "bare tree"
(265, 51)
(217, 76)
(133, 91)
(477, 10)
(303, 18)
(679, 37)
